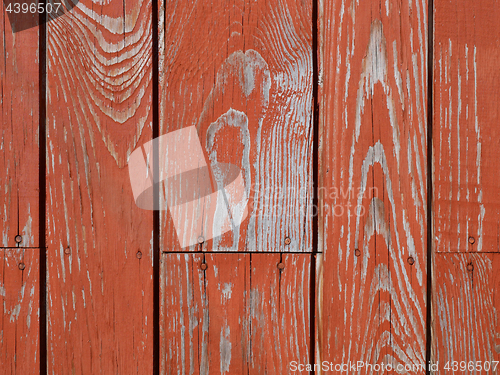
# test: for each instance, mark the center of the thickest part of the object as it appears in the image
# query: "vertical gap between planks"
(156, 197)
(315, 200)
(42, 144)
(430, 67)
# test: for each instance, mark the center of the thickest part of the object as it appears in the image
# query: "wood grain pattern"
(100, 303)
(241, 71)
(373, 179)
(467, 138)
(18, 135)
(19, 294)
(466, 310)
(466, 201)
(241, 315)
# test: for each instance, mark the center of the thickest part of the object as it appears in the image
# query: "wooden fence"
(368, 136)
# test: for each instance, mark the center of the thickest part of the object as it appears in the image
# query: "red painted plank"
(241, 72)
(19, 336)
(466, 202)
(280, 312)
(99, 290)
(465, 312)
(466, 140)
(19, 325)
(234, 313)
(18, 135)
(373, 183)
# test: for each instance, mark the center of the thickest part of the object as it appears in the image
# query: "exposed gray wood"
(19, 317)
(241, 71)
(236, 314)
(18, 136)
(466, 310)
(373, 182)
(99, 289)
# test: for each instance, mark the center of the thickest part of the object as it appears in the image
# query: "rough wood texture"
(18, 135)
(373, 92)
(19, 295)
(466, 139)
(465, 309)
(100, 303)
(241, 315)
(241, 71)
(466, 202)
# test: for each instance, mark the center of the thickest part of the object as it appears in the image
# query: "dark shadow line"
(430, 64)
(42, 142)
(316, 171)
(156, 194)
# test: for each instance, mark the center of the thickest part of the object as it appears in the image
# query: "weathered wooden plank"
(466, 137)
(465, 312)
(19, 329)
(18, 135)
(99, 256)
(241, 71)
(466, 201)
(234, 313)
(373, 180)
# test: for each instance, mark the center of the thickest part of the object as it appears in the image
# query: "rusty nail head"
(201, 239)
(472, 240)
(288, 241)
(357, 252)
(67, 250)
(203, 266)
(281, 266)
(19, 238)
(470, 267)
(138, 255)
(22, 266)
(411, 261)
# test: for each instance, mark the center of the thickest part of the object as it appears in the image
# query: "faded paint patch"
(225, 349)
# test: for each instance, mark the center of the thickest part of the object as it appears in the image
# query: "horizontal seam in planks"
(21, 247)
(243, 252)
(465, 252)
